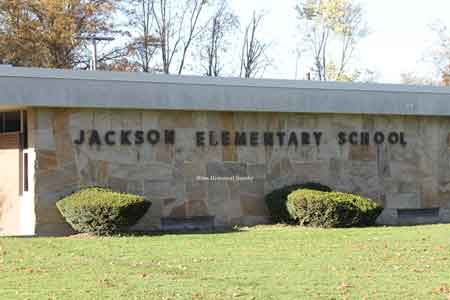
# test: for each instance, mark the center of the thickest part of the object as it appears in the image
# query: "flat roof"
(32, 87)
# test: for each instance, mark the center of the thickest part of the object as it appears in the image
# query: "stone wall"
(416, 175)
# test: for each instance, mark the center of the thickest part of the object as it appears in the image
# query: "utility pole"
(298, 54)
(93, 39)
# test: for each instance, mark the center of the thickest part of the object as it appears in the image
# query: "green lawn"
(268, 262)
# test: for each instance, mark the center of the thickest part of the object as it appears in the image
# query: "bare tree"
(145, 44)
(253, 56)
(411, 78)
(177, 26)
(439, 53)
(214, 39)
(332, 21)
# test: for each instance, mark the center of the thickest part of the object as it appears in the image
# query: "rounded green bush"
(331, 209)
(276, 200)
(102, 211)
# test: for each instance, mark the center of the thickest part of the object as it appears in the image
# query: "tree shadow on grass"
(151, 233)
(143, 233)
(182, 232)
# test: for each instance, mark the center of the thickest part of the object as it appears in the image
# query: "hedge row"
(102, 211)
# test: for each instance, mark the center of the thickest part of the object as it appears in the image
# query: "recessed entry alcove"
(16, 206)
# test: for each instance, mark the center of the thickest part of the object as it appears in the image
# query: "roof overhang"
(29, 87)
(11, 107)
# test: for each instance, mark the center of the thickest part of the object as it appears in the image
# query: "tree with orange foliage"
(44, 33)
(445, 76)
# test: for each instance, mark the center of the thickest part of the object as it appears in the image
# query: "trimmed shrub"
(276, 200)
(369, 209)
(331, 209)
(102, 211)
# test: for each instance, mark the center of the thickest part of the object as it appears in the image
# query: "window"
(25, 172)
(24, 134)
(9, 121)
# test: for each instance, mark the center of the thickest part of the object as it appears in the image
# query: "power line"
(93, 39)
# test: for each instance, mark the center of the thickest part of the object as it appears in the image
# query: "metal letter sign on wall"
(238, 138)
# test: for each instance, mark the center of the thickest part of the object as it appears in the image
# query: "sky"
(398, 42)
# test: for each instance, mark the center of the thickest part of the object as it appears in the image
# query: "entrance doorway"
(14, 181)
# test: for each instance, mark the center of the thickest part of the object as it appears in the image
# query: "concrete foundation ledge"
(394, 216)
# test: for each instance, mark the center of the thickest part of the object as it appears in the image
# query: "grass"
(267, 262)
